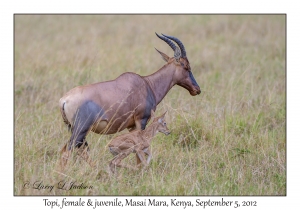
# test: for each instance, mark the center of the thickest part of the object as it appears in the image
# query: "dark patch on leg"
(85, 116)
(144, 123)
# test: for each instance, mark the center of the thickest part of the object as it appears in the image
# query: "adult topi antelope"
(126, 102)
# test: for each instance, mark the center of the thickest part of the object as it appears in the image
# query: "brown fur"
(81, 152)
(126, 102)
(136, 142)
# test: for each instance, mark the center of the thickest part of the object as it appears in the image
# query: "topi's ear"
(163, 55)
(163, 115)
(152, 115)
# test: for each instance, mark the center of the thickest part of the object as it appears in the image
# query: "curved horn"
(182, 49)
(169, 42)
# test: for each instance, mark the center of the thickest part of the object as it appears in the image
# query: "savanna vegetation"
(229, 140)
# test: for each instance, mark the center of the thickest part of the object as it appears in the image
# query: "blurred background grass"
(229, 140)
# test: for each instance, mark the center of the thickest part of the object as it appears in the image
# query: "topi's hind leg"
(65, 155)
(86, 115)
(83, 153)
(77, 141)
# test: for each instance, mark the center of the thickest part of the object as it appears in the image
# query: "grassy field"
(229, 140)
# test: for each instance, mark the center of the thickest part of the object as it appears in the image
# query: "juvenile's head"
(160, 123)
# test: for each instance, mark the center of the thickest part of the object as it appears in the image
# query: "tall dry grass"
(229, 140)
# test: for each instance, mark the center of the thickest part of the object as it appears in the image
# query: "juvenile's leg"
(138, 160)
(141, 156)
(120, 150)
(147, 151)
(116, 161)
